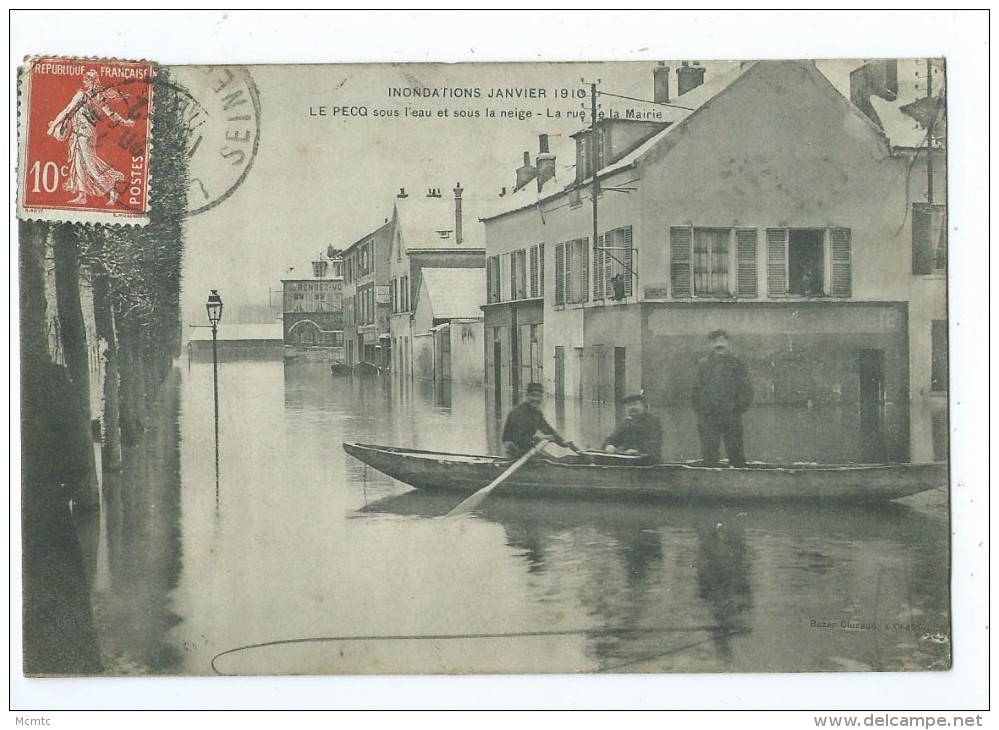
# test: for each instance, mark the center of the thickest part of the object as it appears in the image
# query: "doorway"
(871, 370)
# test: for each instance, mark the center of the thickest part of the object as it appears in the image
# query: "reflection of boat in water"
(339, 369)
(465, 473)
(366, 368)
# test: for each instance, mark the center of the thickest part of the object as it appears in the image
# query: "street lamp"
(214, 308)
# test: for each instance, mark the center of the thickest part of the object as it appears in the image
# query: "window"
(404, 294)
(939, 365)
(711, 261)
(796, 262)
(572, 276)
(929, 238)
(614, 265)
(392, 294)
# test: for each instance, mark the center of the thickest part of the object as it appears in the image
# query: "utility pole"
(595, 186)
(929, 134)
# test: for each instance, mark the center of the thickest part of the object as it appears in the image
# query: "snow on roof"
(455, 293)
(270, 331)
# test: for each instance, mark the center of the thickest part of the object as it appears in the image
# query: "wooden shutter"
(745, 244)
(777, 262)
(541, 269)
(599, 268)
(584, 269)
(629, 260)
(513, 276)
(490, 273)
(534, 271)
(559, 273)
(839, 242)
(680, 249)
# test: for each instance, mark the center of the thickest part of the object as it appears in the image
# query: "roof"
(269, 331)
(367, 236)
(455, 293)
(422, 219)
(674, 113)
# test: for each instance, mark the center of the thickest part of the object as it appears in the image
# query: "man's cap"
(535, 388)
(636, 397)
(717, 335)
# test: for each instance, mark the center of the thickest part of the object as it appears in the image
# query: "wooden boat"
(620, 478)
(339, 369)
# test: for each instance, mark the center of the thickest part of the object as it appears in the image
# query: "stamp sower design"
(85, 140)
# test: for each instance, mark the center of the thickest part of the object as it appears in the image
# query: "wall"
(466, 341)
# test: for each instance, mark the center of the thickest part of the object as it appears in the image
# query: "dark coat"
(723, 385)
(643, 433)
(523, 422)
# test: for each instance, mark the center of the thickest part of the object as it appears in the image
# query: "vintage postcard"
(485, 368)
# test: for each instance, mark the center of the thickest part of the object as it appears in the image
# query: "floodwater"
(304, 561)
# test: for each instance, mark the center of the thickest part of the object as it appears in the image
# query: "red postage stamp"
(84, 134)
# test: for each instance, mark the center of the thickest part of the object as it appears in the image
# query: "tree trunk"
(105, 326)
(58, 630)
(74, 343)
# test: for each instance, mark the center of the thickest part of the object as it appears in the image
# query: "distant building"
(366, 299)
(313, 313)
(427, 234)
(237, 342)
(768, 205)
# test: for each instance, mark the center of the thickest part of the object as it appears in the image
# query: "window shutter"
(745, 243)
(599, 268)
(534, 271)
(680, 249)
(490, 268)
(513, 276)
(839, 241)
(567, 275)
(777, 262)
(629, 261)
(560, 273)
(541, 269)
(584, 270)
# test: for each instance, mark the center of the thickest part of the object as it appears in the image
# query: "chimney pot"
(543, 143)
(660, 84)
(527, 158)
(402, 193)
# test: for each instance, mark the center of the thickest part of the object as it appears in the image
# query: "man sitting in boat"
(525, 424)
(639, 434)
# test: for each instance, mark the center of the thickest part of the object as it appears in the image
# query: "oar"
(470, 503)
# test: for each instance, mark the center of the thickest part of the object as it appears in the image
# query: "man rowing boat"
(639, 434)
(525, 424)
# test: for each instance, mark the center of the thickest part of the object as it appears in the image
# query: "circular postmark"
(220, 114)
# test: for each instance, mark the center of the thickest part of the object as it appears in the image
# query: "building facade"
(313, 313)
(428, 233)
(770, 207)
(366, 302)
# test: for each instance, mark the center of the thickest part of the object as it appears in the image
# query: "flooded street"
(309, 562)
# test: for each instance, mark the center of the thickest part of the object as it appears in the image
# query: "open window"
(805, 262)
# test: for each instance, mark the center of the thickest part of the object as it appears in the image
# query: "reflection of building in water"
(764, 202)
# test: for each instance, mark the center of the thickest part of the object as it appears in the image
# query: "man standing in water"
(721, 395)
(526, 423)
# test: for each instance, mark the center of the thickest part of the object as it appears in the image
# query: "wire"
(645, 101)
(441, 637)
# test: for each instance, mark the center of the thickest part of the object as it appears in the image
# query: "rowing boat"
(603, 476)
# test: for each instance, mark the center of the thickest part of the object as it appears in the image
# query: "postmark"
(85, 139)
(221, 117)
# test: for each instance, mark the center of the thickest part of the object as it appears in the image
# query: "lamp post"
(214, 308)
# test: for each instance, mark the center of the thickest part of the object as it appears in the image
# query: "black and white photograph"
(605, 366)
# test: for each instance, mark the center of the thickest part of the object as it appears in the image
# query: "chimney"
(660, 84)
(688, 77)
(875, 78)
(502, 191)
(525, 173)
(457, 213)
(402, 193)
(545, 164)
